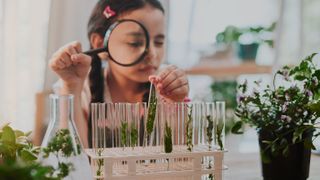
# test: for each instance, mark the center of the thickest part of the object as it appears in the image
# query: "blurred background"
(218, 43)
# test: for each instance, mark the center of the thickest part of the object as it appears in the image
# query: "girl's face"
(154, 21)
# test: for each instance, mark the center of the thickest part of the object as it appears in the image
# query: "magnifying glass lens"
(127, 43)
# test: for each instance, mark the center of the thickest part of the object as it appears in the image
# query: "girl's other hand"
(171, 83)
(71, 65)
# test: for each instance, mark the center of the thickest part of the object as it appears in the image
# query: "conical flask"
(61, 144)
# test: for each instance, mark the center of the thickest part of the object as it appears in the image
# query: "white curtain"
(23, 42)
(68, 22)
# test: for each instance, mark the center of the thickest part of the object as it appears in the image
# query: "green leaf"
(297, 135)
(309, 58)
(27, 133)
(274, 148)
(317, 73)
(315, 107)
(4, 125)
(27, 155)
(167, 139)
(264, 157)
(18, 133)
(266, 142)
(219, 130)
(309, 144)
(285, 151)
(236, 128)
(300, 77)
(8, 135)
(152, 109)
(283, 143)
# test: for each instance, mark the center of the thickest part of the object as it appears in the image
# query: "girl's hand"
(71, 65)
(171, 83)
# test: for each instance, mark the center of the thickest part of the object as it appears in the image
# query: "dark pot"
(247, 51)
(293, 167)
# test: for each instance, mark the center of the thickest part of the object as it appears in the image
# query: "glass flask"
(61, 144)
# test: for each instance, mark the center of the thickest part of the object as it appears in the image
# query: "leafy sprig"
(189, 128)
(134, 135)
(152, 108)
(219, 130)
(124, 128)
(167, 139)
(61, 145)
(100, 163)
(209, 130)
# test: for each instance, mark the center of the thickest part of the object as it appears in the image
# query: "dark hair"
(98, 23)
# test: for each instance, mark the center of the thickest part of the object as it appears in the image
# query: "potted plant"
(246, 40)
(19, 159)
(285, 118)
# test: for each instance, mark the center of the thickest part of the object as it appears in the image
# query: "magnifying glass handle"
(95, 51)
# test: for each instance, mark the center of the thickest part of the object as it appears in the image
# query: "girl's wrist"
(74, 89)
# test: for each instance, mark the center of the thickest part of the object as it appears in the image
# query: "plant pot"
(247, 52)
(294, 166)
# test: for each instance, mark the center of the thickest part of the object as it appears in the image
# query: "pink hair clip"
(108, 12)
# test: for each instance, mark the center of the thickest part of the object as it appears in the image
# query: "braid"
(96, 83)
(96, 80)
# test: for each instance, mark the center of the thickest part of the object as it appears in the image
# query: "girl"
(115, 83)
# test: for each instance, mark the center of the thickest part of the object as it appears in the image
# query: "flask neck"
(61, 107)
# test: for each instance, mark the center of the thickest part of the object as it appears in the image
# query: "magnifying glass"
(126, 41)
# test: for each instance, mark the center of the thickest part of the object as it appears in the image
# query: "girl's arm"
(72, 67)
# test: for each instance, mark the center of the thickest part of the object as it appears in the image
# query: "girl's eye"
(135, 44)
(159, 43)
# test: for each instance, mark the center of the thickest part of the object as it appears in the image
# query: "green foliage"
(210, 176)
(28, 171)
(232, 34)
(62, 145)
(209, 130)
(124, 128)
(134, 135)
(18, 157)
(283, 110)
(219, 130)
(167, 139)
(100, 163)
(15, 145)
(152, 108)
(189, 129)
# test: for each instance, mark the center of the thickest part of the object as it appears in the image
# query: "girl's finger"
(153, 79)
(181, 91)
(71, 50)
(77, 46)
(65, 58)
(81, 59)
(162, 75)
(174, 75)
(175, 84)
(58, 64)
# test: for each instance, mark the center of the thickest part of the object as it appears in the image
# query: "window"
(193, 24)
